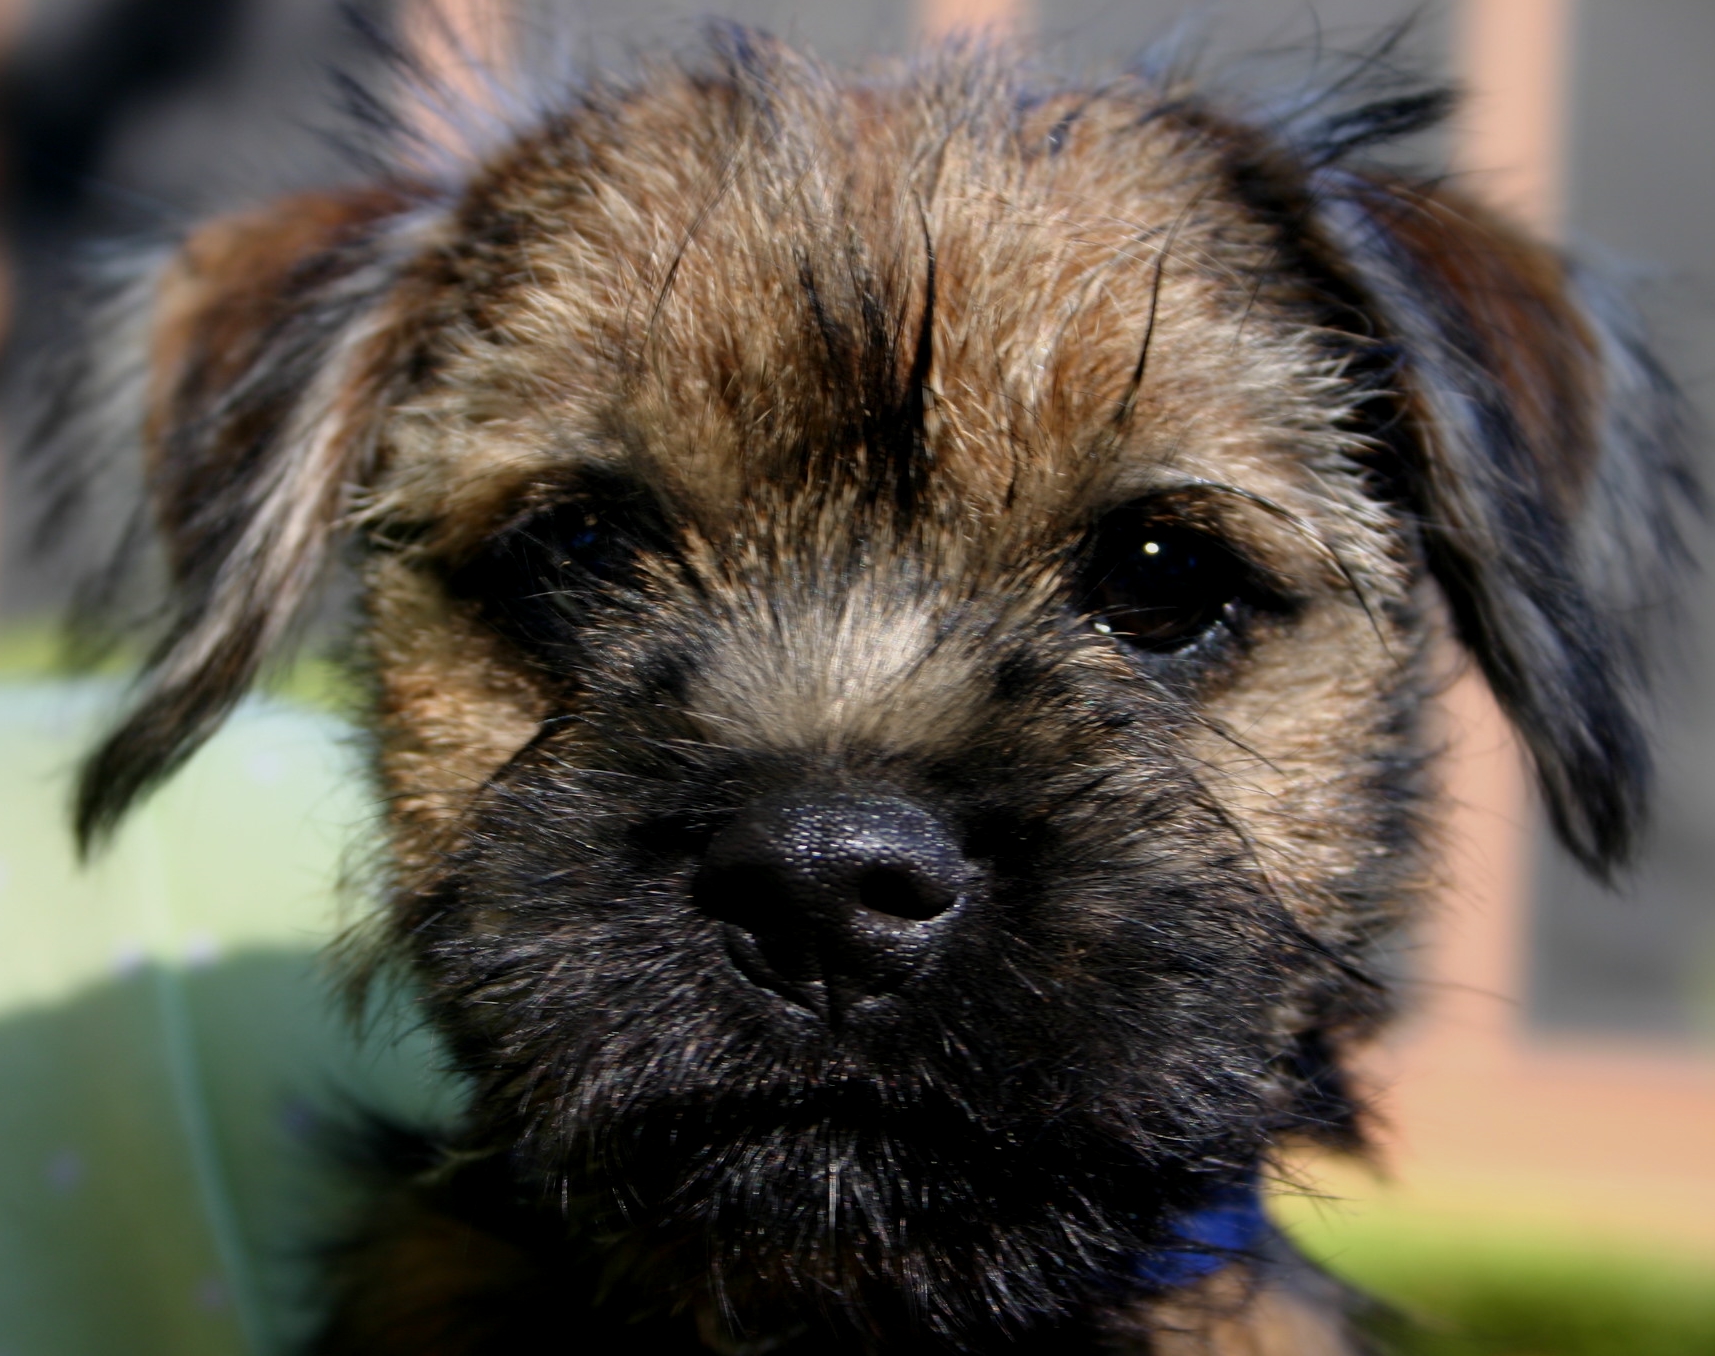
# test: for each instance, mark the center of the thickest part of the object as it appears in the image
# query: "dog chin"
(888, 1217)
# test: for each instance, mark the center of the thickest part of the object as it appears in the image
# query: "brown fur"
(854, 376)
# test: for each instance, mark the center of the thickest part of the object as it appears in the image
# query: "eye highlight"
(1159, 585)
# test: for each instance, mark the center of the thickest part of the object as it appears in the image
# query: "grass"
(31, 649)
(40, 648)
(1473, 1288)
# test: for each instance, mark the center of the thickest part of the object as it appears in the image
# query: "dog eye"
(537, 579)
(1160, 586)
(563, 549)
(572, 544)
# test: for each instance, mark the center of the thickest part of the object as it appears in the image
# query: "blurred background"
(168, 1046)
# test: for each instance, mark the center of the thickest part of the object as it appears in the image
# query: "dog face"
(897, 616)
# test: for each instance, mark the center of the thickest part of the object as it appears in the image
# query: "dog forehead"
(1043, 306)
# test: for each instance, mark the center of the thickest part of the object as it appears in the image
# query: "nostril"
(903, 894)
(752, 897)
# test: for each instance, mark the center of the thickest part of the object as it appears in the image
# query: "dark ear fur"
(1545, 467)
(270, 343)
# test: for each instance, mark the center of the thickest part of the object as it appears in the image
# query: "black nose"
(829, 896)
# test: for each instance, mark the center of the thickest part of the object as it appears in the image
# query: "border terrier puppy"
(896, 615)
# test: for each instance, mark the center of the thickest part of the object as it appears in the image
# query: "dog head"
(896, 612)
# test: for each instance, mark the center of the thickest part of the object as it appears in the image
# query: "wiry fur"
(846, 378)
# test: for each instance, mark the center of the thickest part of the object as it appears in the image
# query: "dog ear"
(1543, 461)
(268, 344)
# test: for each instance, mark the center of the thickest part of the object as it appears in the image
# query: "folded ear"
(270, 343)
(1543, 461)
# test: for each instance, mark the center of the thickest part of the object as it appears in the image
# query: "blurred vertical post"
(456, 40)
(460, 46)
(938, 18)
(1513, 57)
(1469, 1022)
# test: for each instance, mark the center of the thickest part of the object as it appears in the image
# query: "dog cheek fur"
(1320, 756)
(450, 709)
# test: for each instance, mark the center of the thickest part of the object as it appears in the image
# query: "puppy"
(896, 624)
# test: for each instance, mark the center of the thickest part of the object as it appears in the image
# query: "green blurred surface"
(1471, 1288)
(169, 1041)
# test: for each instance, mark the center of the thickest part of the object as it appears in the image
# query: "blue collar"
(1230, 1224)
